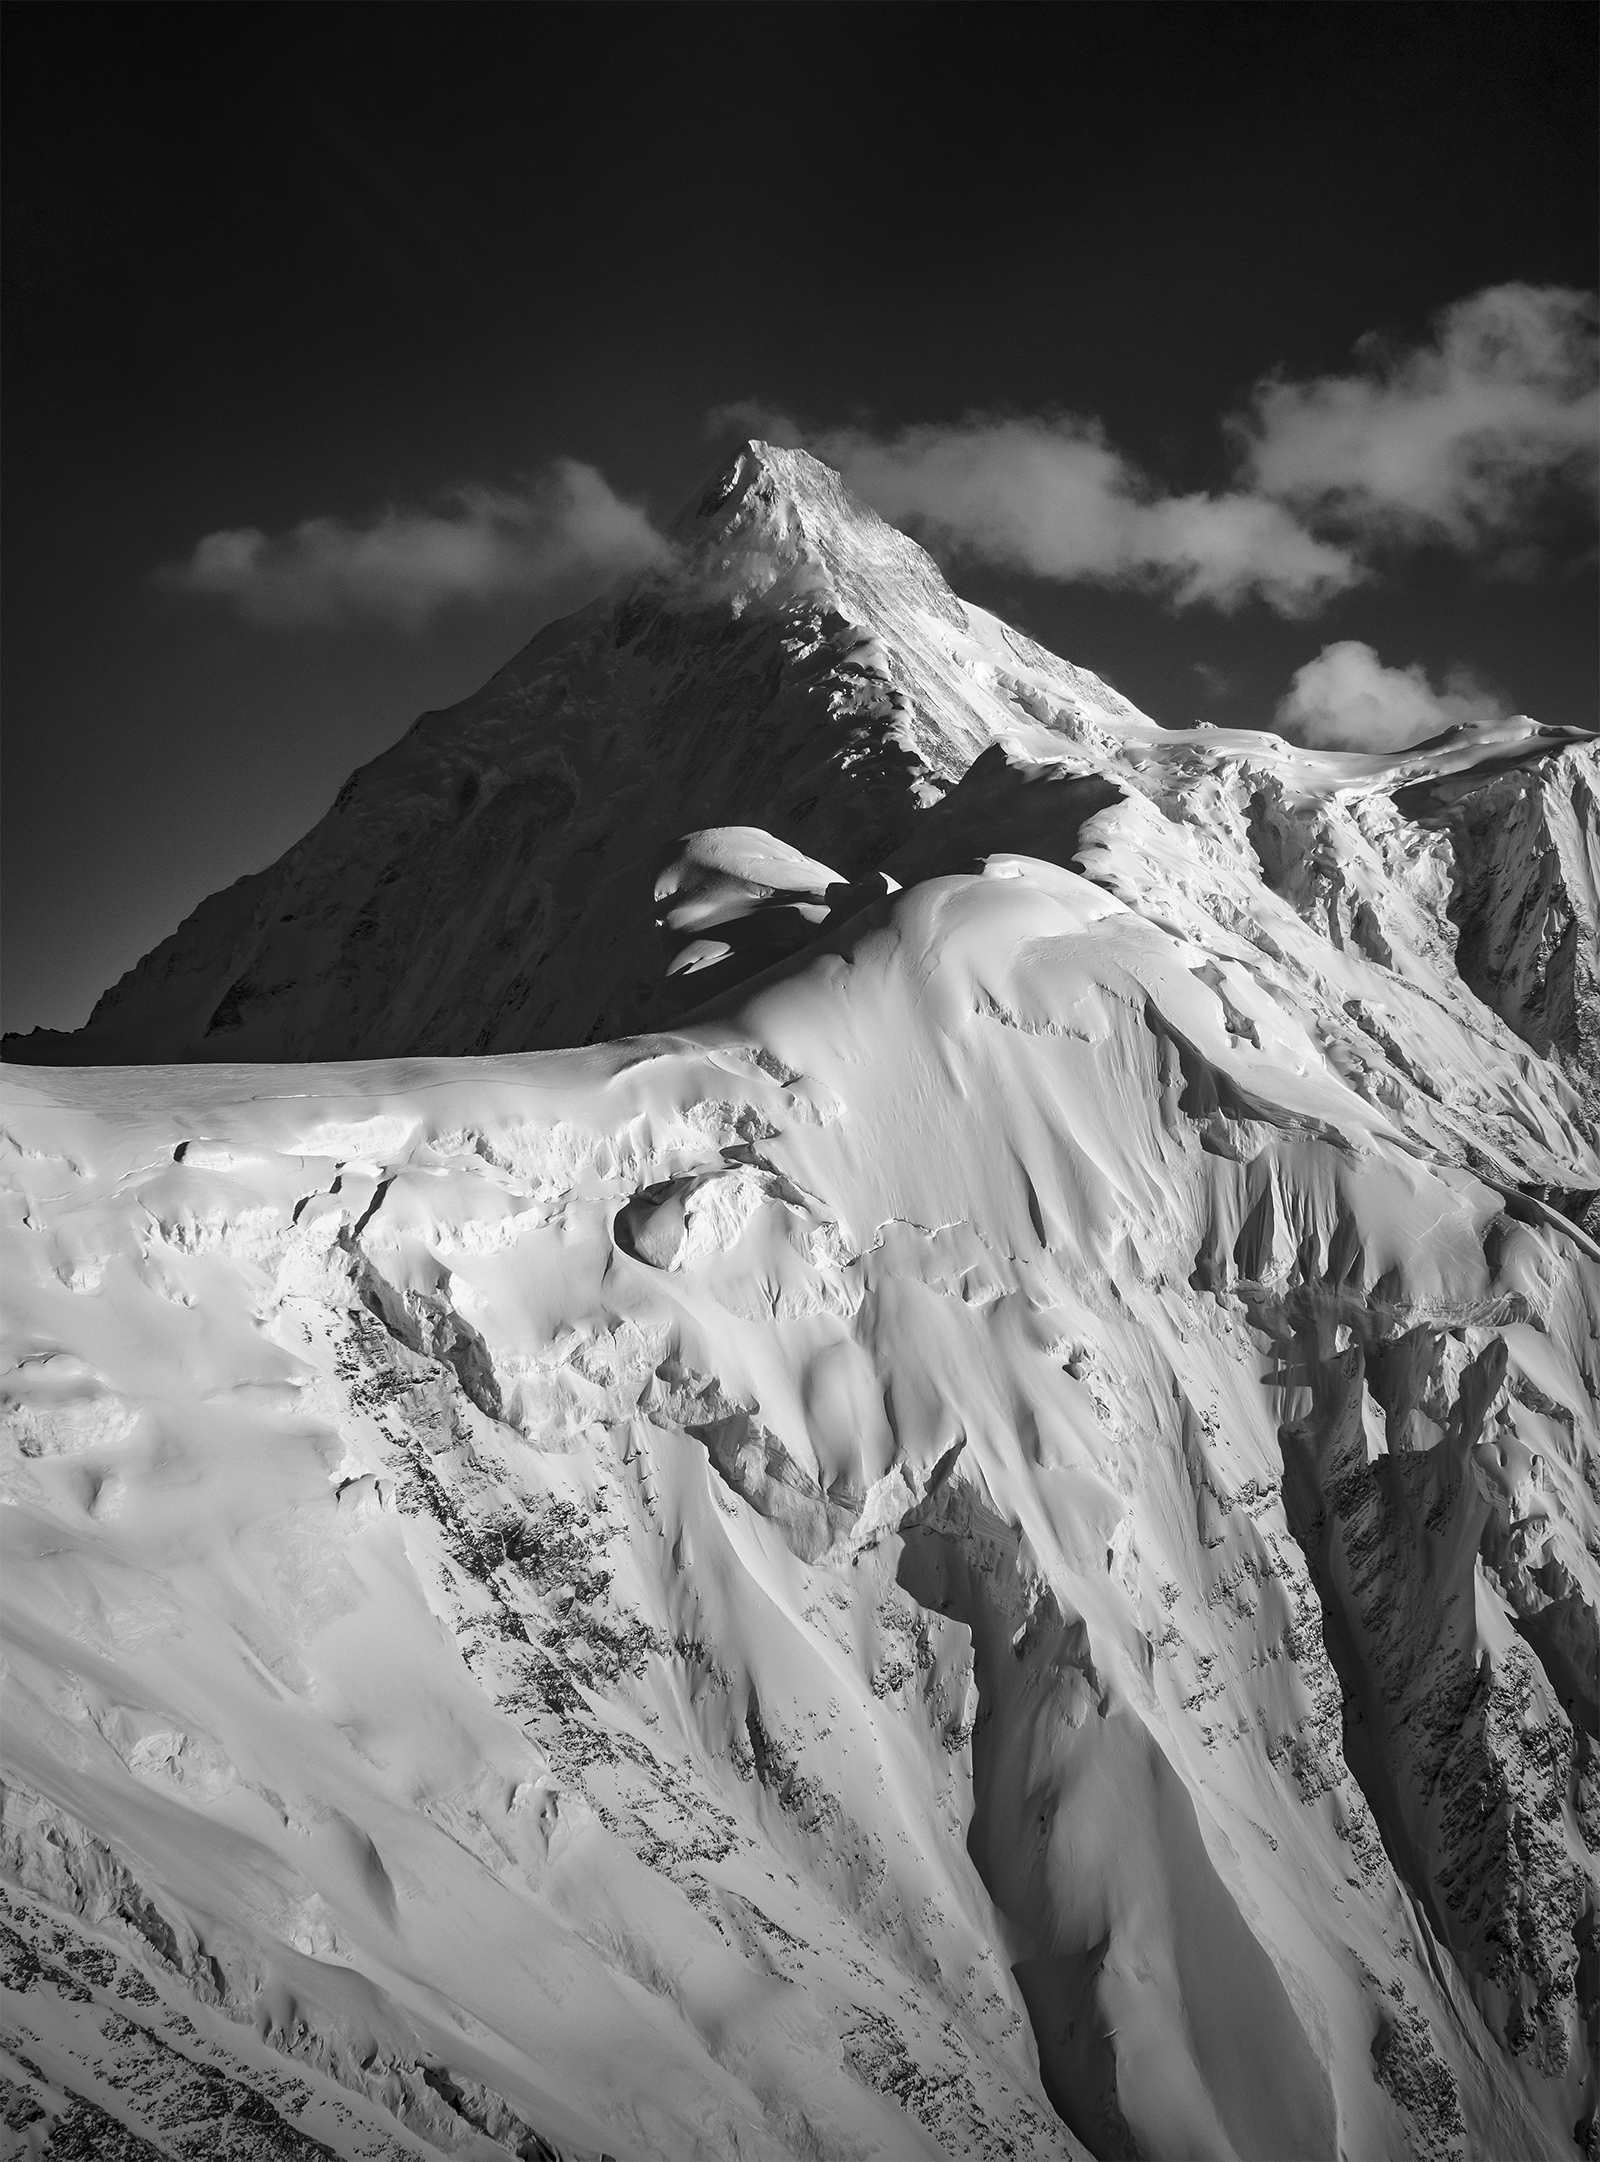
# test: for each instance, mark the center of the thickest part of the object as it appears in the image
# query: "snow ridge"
(981, 1537)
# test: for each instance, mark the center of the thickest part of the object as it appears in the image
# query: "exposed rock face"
(1157, 2016)
(1527, 901)
(1434, 1721)
(990, 1547)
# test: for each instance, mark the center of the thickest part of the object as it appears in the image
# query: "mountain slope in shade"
(487, 883)
(986, 1542)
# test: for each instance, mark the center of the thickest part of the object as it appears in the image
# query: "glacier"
(816, 1399)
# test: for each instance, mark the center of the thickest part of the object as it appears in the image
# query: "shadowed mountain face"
(487, 884)
(981, 1539)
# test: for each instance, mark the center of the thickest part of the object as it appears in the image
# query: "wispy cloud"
(1453, 441)
(552, 539)
(1456, 442)
(1053, 498)
(1346, 700)
(1215, 682)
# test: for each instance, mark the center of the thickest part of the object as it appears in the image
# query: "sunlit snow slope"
(988, 1546)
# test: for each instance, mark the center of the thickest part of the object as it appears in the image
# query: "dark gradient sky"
(266, 264)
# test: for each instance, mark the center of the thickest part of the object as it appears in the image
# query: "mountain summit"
(801, 668)
(487, 884)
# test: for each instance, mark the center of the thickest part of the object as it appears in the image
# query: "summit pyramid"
(487, 884)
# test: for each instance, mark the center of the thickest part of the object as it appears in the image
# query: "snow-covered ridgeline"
(488, 884)
(990, 1546)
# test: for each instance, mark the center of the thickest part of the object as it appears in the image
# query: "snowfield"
(984, 1542)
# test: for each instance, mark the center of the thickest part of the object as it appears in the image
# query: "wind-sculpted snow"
(984, 1542)
(992, 1551)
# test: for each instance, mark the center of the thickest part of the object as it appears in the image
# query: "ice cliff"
(973, 1530)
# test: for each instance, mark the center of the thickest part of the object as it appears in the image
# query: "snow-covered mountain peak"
(973, 1530)
(804, 669)
(774, 512)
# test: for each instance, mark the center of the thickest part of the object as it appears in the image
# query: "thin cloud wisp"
(555, 535)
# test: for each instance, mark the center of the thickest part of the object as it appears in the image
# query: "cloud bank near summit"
(1458, 442)
(1054, 499)
(1462, 442)
(1347, 700)
(556, 535)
